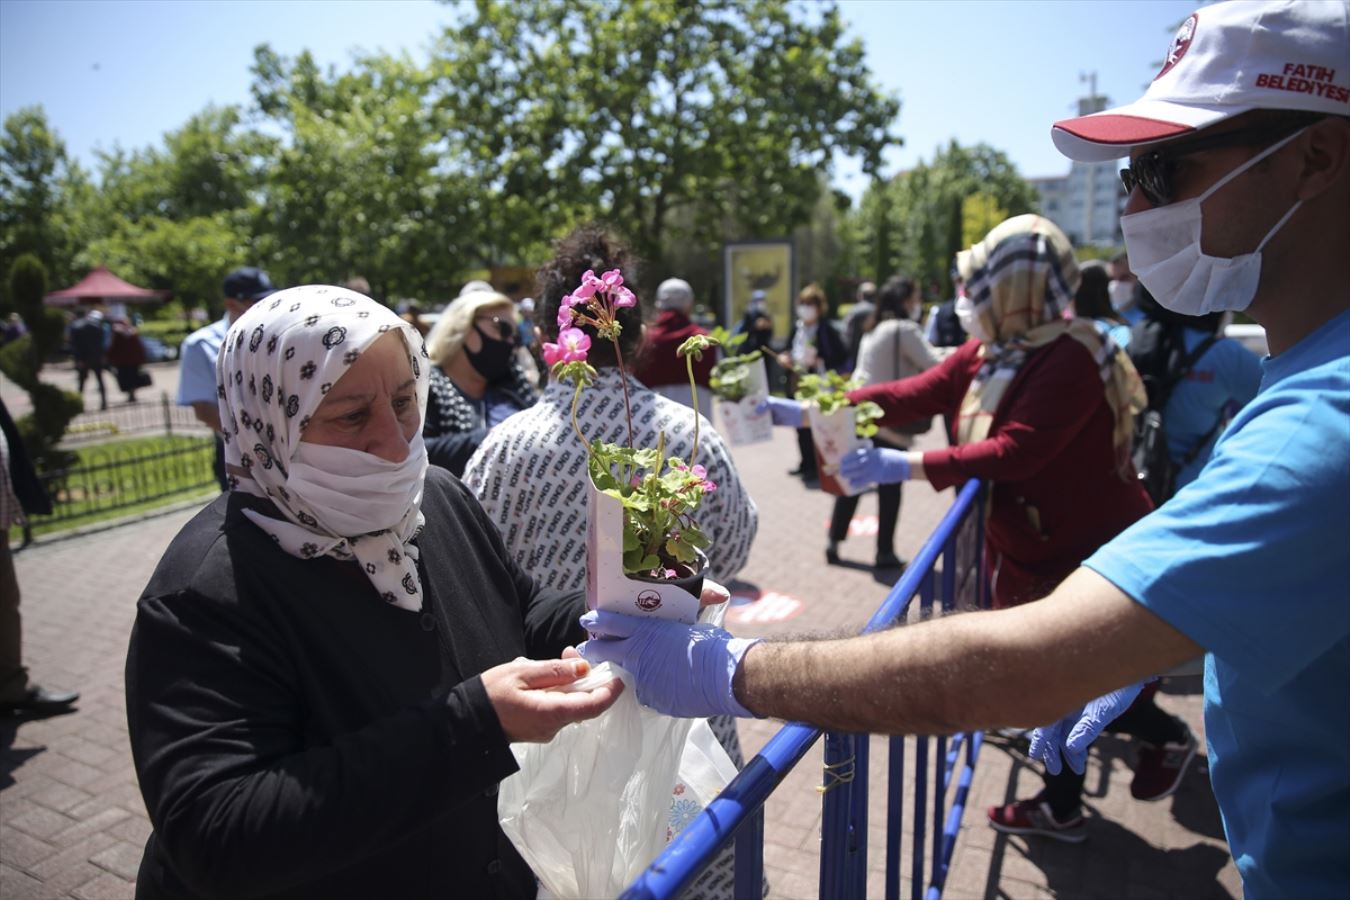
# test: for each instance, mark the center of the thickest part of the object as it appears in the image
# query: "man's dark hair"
(891, 299)
(590, 246)
(1093, 298)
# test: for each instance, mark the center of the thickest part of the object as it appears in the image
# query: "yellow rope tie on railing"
(836, 776)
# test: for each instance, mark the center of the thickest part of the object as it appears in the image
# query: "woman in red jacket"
(1044, 412)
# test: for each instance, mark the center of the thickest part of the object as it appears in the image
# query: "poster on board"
(767, 266)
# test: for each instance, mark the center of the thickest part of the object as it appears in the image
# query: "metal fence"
(114, 477)
(120, 419)
(739, 810)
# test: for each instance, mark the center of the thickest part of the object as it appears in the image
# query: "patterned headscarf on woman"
(278, 361)
(1020, 279)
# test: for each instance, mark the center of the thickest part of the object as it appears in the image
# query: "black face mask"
(493, 362)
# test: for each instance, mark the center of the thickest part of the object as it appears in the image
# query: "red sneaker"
(1034, 817)
(1160, 769)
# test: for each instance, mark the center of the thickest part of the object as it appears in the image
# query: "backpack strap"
(1187, 363)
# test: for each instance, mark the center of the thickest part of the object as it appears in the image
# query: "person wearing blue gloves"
(1238, 185)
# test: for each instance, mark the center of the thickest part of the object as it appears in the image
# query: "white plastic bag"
(589, 810)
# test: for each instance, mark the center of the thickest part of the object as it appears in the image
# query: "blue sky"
(124, 72)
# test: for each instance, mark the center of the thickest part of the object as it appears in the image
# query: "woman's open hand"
(528, 711)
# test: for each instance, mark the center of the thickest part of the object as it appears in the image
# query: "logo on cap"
(1181, 42)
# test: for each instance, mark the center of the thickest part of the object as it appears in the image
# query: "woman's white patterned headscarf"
(278, 361)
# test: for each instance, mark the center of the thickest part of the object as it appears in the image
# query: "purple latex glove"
(783, 412)
(870, 464)
(680, 670)
(1072, 735)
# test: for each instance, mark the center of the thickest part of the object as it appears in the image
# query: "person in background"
(658, 366)
(329, 664)
(855, 323)
(1122, 287)
(126, 354)
(814, 347)
(21, 495)
(530, 359)
(1247, 184)
(892, 348)
(412, 314)
(197, 358)
(476, 379)
(14, 328)
(89, 346)
(530, 473)
(1092, 301)
(1225, 378)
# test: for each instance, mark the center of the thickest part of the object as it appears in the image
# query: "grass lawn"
(123, 478)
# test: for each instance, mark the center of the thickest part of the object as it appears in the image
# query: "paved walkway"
(72, 823)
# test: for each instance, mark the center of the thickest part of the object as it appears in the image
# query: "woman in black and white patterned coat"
(475, 379)
(530, 472)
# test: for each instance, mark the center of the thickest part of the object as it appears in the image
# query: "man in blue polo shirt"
(1239, 183)
(197, 357)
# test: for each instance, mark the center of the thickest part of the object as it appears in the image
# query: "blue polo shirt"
(197, 363)
(1252, 562)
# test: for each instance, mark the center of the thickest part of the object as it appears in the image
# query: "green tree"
(360, 189)
(916, 222)
(677, 121)
(37, 186)
(21, 361)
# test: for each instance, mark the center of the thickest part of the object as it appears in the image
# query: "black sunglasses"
(1153, 172)
(506, 329)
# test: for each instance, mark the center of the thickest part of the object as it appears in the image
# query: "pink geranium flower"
(612, 279)
(574, 344)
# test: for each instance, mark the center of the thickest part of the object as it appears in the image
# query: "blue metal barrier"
(739, 810)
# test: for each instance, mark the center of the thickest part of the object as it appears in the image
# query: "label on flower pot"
(607, 587)
(835, 436)
(737, 420)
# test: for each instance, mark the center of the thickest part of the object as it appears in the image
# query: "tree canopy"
(681, 123)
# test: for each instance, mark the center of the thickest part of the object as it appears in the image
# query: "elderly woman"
(476, 381)
(325, 671)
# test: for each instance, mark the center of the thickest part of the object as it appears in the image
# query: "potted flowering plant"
(836, 426)
(643, 503)
(740, 383)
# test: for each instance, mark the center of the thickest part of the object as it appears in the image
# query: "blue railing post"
(750, 858)
(895, 815)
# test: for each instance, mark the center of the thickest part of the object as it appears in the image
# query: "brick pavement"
(72, 823)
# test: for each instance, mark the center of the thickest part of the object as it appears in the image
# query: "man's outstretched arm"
(1023, 666)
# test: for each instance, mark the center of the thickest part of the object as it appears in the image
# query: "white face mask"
(965, 312)
(1165, 254)
(353, 493)
(807, 313)
(1122, 294)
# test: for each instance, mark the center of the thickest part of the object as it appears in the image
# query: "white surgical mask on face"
(807, 313)
(1165, 254)
(354, 493)
(965, 312)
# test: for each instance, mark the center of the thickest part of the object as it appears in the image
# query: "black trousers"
(218, 465)
(888, 512)
(808, 450)
(1144, 720)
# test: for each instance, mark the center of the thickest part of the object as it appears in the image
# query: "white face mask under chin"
(353, 493)
(1164, 248)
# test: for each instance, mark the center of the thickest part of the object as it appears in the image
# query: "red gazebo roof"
(99, 285)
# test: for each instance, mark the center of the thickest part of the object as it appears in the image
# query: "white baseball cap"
(1227, 59)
